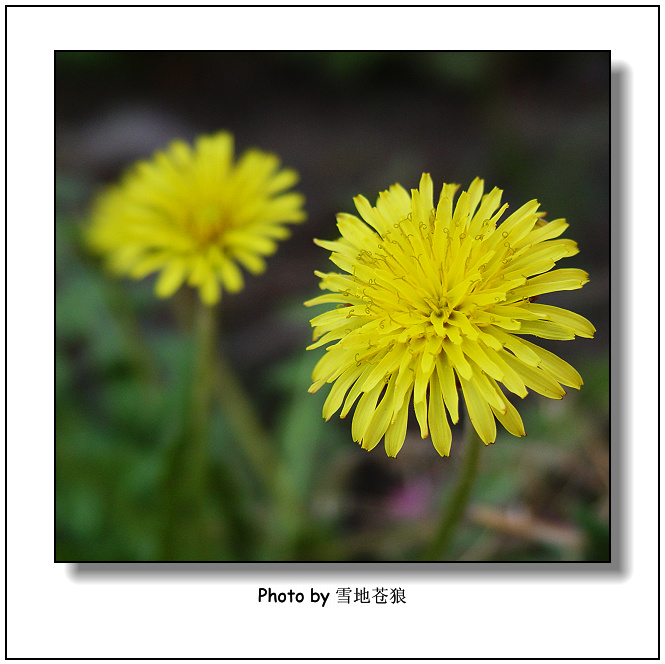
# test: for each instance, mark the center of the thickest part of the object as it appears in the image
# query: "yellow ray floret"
(432, 302)
(193, 215)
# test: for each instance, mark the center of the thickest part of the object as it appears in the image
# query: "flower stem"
(186, 481)
(202, 387)
(267, 464)
(245, 421)
(459, 498)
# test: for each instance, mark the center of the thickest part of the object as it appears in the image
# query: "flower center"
(440, 314)
(209, 223)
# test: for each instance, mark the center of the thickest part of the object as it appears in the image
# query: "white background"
(53, 611)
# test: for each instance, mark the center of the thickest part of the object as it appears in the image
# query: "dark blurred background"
(535, 124)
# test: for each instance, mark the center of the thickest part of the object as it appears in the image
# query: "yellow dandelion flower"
(194, 216)
(436, 299)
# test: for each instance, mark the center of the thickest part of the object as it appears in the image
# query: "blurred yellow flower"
(434, 299)
(193, 215)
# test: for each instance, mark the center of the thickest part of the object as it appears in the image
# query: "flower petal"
(364, 412)
(171, 278)
(381, 419)
(397, 430)
(480, 412)
(438, 422)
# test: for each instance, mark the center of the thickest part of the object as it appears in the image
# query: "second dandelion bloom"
(194, 216)
(433, 298)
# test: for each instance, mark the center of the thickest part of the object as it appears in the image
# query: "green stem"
(459, 498)
(245, 421)
(187, 476)
(202, 383)
(285, 509)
